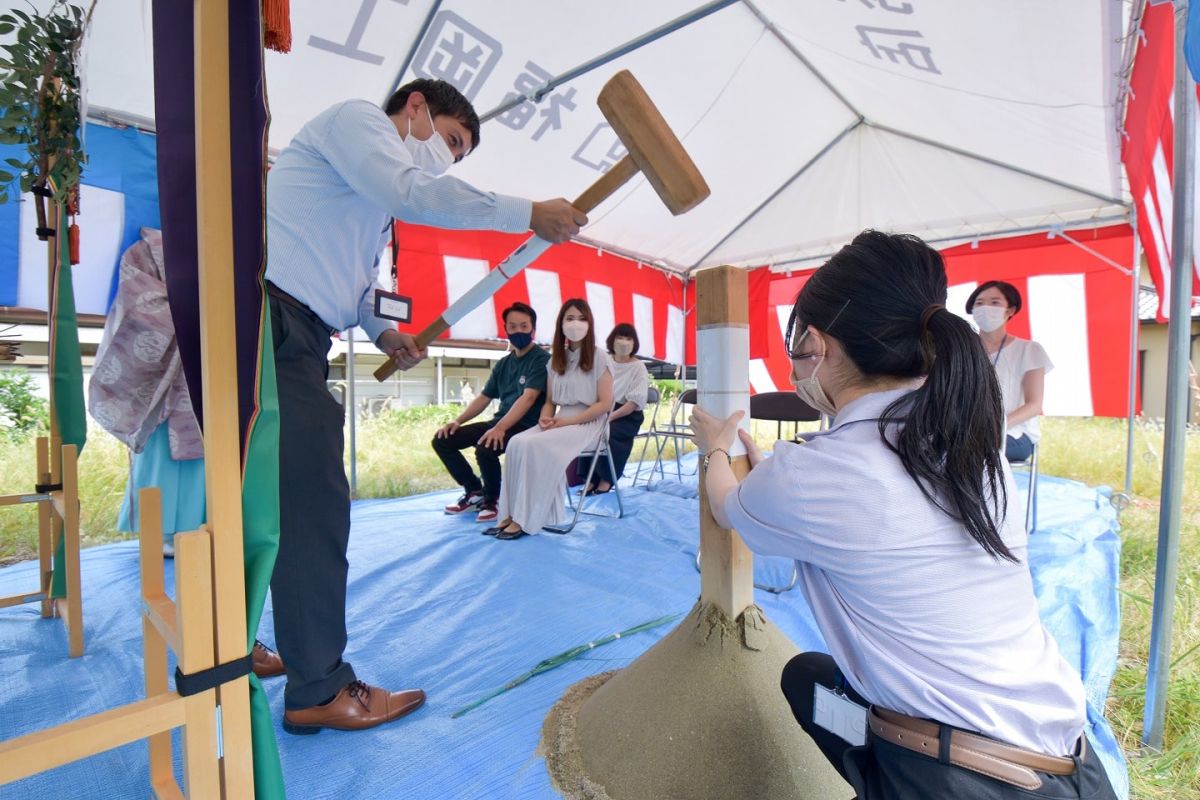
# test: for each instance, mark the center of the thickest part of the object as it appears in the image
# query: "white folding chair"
(676, 431)
(600, 448)
(653, 401)
(1030, 465)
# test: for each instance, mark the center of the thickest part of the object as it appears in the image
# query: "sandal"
(510, 535)
(495, 529)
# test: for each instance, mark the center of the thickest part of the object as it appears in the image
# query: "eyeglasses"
(794, 356)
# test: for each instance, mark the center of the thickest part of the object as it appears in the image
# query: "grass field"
(394, 459)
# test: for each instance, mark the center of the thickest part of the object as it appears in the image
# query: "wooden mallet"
(654, 151)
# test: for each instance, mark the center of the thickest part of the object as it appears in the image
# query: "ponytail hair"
(883, 298)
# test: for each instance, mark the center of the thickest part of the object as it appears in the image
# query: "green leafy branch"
(40, 101)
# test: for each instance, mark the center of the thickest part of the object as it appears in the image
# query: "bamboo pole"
(214, 227)
(723, 386)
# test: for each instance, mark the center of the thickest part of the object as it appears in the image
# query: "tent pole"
(683, 21)
(1134, 329)
(788, 265)
(1179, 344)
(412, 50)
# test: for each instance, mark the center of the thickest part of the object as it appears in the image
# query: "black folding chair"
(781, 407)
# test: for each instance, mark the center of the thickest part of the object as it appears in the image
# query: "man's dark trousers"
(308, 587)
(450, 449)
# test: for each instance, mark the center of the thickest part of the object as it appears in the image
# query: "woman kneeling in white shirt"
(912, 551)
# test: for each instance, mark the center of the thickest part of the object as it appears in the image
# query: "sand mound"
(699, 715)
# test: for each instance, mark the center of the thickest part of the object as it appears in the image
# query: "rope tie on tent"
(211, 678)
(277, 25)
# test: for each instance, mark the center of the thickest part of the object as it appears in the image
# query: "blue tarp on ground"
(434, 604)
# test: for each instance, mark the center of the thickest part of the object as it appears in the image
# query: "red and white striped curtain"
(1075, 305)
(1149, 145)
(435, 267)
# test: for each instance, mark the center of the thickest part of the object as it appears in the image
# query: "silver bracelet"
(709, 455)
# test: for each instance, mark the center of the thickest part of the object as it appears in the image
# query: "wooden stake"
(723, 386)
(154, 646)
(222, 467)
(70, 525)
(45, 528)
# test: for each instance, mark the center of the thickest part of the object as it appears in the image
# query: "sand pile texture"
(699, 715)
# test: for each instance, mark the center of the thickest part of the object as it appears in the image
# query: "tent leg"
(1178, 353)
(1134, 322)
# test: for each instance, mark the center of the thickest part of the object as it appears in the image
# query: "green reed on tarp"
(563, 658)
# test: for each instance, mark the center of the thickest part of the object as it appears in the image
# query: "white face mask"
(809, 389)
(989, 318)
(623, 347)
(431, 155)
(575, 330)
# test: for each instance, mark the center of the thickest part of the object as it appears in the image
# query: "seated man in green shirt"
(518, 381)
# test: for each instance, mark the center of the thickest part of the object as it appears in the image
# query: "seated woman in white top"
(580, 386)
(912, 551)
(1021, 365)
(631, 384)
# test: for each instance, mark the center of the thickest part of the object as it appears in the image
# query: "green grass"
(394, 459)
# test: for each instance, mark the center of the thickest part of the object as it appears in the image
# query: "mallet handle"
(520, 258)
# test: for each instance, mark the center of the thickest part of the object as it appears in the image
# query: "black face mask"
(520, 340)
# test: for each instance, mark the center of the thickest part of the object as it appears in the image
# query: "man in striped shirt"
(332, 196)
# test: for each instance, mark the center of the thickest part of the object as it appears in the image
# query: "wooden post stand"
(58, 517)
(700, 713)
(186, 627)
(218, 349)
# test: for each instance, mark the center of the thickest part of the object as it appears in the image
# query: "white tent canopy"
(948, 119)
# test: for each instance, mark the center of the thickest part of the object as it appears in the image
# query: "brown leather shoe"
(356, 707)
(265, 662)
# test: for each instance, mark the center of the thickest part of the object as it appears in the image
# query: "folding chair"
(600, 448)
(1030, 465)
(676, 431)
(653, 400)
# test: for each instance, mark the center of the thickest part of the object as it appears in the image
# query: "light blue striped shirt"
(331, 197)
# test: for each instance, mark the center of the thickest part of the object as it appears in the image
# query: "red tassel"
(277, 25)
(73, 240)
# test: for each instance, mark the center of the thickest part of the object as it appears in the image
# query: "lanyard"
(1000, 349)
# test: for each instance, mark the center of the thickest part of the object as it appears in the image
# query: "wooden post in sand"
(723, 387)
(700, 714)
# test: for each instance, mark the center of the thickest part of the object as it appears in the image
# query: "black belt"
(283, 296)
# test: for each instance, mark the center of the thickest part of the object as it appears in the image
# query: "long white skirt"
(535, 470)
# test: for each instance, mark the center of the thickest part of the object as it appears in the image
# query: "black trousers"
(449, 450)
(881, 770)
(308, 587)
(620, 441)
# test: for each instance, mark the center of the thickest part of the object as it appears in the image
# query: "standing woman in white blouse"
(579, 396)
(912, 551)
(631, 384)
(1021, 364)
